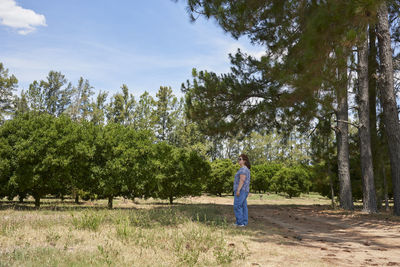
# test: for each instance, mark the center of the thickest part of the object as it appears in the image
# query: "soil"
(333, 237)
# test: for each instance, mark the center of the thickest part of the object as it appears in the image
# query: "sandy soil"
(320, 234)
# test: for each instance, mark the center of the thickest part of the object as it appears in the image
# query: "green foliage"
(261, 176)
(165, 114)
(121, 161)
(57, 93)
(144, 116)
(292, 181)
(121, 107)
(8, 84)
(180, 172)
(80, 107)
(221, 177)
(41, 157)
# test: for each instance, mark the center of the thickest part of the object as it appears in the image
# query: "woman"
(241, 190)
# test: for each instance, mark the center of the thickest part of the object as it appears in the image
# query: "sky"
(143, 44)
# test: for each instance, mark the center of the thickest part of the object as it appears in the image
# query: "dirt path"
(338, 238)
(317, 233)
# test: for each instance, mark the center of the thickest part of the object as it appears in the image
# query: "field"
(196, 231)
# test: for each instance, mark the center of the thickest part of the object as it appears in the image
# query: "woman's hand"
(238, 193)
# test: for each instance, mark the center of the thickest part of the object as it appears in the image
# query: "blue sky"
(143, 44)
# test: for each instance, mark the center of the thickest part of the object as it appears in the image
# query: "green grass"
(178, 235)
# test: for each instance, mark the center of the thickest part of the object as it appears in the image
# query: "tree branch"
(348, 122)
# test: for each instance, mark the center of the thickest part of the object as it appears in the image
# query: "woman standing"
(241, 188)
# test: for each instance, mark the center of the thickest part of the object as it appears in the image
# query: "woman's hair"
(246, 160)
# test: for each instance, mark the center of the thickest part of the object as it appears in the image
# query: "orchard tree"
(221, 177)
(180, 172)
(40, 162)
(292, 180)
(262, 174)
(121, 162)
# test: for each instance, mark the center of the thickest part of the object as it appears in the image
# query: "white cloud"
(24, 20)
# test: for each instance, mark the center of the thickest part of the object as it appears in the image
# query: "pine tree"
(8, 84)
(166, 105)
(388, 101)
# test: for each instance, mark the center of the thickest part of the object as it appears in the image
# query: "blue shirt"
(246, 186)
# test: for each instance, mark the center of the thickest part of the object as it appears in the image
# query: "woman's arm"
(241, 182)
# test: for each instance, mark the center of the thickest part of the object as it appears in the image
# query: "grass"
(178, 235)
(193, 232)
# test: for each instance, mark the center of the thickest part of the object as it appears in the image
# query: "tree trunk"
(21, 198)
(331, 184)
(329, 171)
(345, 195)
(385, 188)
(372, 89)
(369, 197)
(171, 199)
(76, 198)
(388, 102)
(110, 202)
(37, 201)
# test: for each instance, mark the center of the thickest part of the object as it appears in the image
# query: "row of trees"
(319, 56)
(267, 177)
(43, 154)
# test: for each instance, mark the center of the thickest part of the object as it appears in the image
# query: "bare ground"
(318, 235)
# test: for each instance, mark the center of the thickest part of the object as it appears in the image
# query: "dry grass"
(195, 231)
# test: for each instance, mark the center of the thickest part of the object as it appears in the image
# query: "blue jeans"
(240, 208)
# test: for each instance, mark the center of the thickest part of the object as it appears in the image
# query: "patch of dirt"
(339, 238)
(334, 237)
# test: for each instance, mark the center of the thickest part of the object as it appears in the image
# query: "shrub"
(221, 177)
(261, 176)
(292, 181)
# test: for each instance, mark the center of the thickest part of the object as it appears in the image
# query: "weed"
(108, 253)
(87, 220)
(123, 229)
(52, 237)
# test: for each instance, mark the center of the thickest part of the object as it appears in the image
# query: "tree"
(369, 197)
(40, 162)
(121, 107)
(262, 174)
(292, 181)
(6, 152)
(81, 107)
(57, 96)
(144, 114)
(280, 89)
(99, 108)
(108, 168)
(388, 101)
(180, 172)
(36, 98)
(8, 84)
(221, 177)
(121, 163)
(21, 104)
(165, 113)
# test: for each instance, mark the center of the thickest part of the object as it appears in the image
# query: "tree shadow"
(310, 226)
